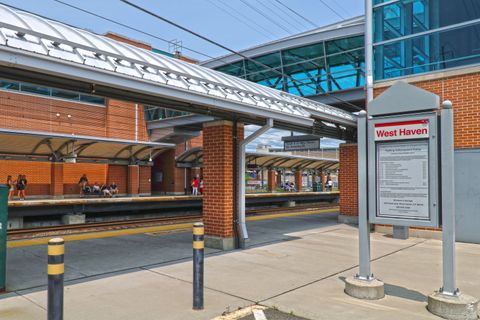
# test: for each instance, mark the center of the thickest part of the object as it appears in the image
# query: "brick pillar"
(279, 178)
(218, 187)
(298, 180)
(56, 180)
(132, 182)
(323, 180)
(271, 180)
(348, 181)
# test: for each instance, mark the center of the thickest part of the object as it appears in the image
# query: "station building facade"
(70, 125)
(432, 44)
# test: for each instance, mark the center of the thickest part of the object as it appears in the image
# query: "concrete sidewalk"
(297, 265)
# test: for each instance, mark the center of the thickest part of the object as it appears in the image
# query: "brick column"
(348, 181)
(56, 180)
(132, 180)
(323, 180)
(218, 183)
(298, 180)
(278, 181)
(271, 180)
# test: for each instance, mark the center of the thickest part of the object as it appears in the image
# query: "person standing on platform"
(19, 186)
(82, 183)
(24, 184)
(329, 183)
(11, 187)
(195, 185)
(201, 185)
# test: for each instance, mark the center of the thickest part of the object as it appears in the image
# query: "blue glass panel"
(9, 85)
(300, 54)
(32, 88)
(346, 69)
(437, 51)
(270, 61)
(408, 17)
(345, 44)
(92, 99)
(234, 69)
(64, 94)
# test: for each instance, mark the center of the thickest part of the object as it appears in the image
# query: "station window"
(64, 94)
(309, 70)
(50, 92)
(9, 85)
(31, 88)
(416, 36)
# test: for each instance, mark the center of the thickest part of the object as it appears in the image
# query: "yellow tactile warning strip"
(166, 228)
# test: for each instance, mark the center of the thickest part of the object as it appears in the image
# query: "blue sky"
(232, 23)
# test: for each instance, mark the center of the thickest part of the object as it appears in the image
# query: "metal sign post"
(3, 235)
(363, 224)
(363, 285)
(448, 200)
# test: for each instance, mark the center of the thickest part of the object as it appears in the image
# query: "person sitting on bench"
(96, 188)
(113, 188)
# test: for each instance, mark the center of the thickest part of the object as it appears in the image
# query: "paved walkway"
(296, 264)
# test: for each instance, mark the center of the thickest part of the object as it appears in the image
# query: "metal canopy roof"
(33, 43)
(62, 146)
(194, 158)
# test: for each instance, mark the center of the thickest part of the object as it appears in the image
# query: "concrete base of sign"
(15, 223)
(400, 232)
(73, 219)
(348, 219)
(460, 307)
(224, 244)
(364, 289)
(412, 233)
(288, 204)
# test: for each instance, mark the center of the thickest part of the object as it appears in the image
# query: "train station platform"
(296, 264)
(47, 207)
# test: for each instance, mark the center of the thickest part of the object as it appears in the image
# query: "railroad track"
(17, 234)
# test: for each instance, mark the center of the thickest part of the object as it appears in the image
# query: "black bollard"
(198, 255)
(56, 269)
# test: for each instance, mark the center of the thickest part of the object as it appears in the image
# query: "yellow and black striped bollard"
(198, 255)
(56, 269)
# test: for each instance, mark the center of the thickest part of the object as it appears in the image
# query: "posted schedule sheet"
(402, 179)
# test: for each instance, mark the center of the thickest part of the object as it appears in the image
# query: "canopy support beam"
(242, 227)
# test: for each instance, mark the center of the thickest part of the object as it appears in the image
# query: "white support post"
(242, 227)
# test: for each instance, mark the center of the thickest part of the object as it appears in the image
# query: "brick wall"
(218, 177)
(118, 174)
(120, 121)
(464, 92)
(348, 180)
(73, 171)
(38, 174)
(28, 112)
(133, 42)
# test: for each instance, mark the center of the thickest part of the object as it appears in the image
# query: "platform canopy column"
(218, 175)
(56, 181)
(299, 180)
(272, 180)
(133, 180)
(348, 181)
